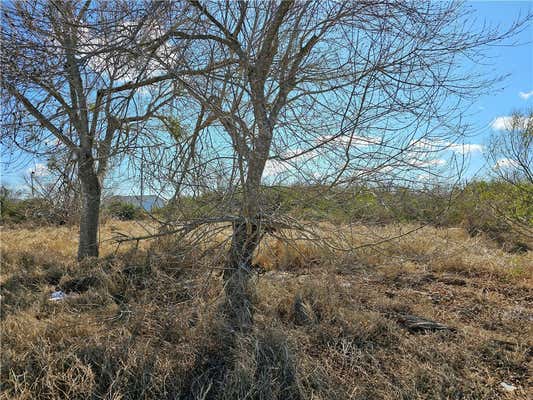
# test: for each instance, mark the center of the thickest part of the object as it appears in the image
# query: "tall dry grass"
(438, 249)
(433, 249)
(147, 324)
(59, 243)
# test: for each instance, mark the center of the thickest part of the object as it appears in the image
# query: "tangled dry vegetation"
(144, 323)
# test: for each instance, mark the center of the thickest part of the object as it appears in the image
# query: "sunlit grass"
(149, 324)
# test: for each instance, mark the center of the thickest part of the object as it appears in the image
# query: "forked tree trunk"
(246, 236)
(90, 210)
(238, 288)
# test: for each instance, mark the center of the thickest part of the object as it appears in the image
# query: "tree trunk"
(246, 235)
(90, 210)
(239, 291)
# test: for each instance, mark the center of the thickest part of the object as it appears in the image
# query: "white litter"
(508, 387)
(58, 295)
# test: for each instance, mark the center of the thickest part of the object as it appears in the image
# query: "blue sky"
(514, 93)
(511, 94)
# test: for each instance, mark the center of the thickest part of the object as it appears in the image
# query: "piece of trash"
(508, 387)
(57, 295)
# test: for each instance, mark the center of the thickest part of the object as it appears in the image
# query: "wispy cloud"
(350, 140)
(525, 95)
(501, 123)
(289, 162)
(427, 163)
(465, 148)
(274, 168)
(504, 163)
(441, 145)
(39, 170)
(510, 123)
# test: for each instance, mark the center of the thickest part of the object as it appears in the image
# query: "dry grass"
(145, 324)
(59, 243)
(429, 249)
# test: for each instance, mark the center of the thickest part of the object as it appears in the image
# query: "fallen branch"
(418, 324)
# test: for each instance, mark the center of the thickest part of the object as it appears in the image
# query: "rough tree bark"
(247, 232)
(63, 75)
(90, 208)
(237, 274)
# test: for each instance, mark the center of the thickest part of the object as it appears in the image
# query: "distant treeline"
(498, 209)
(501, 210)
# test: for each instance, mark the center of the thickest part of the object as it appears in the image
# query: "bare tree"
(510, 151)
(510, 154)
(333, 92)
(70, 78)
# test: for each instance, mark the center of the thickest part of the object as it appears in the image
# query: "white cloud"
(526, 95)
(39, 170)
(505, 163)
(425, 177)
(465, 148)
(274, 167)
(501, 123)
(91, 44)
(441, 145)
(350, 140)
(427, 163)
(438, 161)
(509, 123)
(386, 168)
(296, 154)
(430, 144)
(291, 161)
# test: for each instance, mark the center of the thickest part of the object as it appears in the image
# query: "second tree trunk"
(90, 212)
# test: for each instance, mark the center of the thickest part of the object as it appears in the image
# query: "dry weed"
(146, 324)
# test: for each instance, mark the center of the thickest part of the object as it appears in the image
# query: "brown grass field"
(144, 323)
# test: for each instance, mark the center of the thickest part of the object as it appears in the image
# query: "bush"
(124, 211)
(500, 210)
(9, 210)
(35, 210)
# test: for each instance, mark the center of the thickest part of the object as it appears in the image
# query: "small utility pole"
(31, 182)
(142, 182)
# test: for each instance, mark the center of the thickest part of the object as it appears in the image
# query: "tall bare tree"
(337, 92)
(510, 154)
(510, 150)
(70, 78)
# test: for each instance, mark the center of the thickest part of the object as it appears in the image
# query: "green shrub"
(124, 211)
(35, 210)
(9, 208)
(501, 210)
